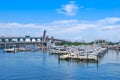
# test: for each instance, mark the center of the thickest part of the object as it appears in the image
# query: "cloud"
(65, 21)
(69, 29)
(19, 25)
(109, 20)
(72, 25)
(69, 9)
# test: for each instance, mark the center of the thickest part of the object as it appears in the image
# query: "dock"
(78, 53)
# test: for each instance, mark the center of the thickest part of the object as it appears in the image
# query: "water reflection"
(78, 62)
(85, 62)
(110, 56)
(41, 65)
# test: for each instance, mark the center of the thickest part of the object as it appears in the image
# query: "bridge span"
(27, 40)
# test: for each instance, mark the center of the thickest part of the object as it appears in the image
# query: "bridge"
(27, 40)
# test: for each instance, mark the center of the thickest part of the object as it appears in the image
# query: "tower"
(44, 34)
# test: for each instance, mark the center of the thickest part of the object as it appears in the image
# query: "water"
(43, 66)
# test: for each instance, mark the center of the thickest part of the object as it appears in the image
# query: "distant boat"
(10, 50)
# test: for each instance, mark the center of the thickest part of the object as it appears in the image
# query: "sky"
(73, 20)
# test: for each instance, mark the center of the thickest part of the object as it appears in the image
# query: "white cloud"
(69, 28)
(78, 38)
(69, 9)
(19, 25)
(65, 21)
(109, 20)
(69, 25)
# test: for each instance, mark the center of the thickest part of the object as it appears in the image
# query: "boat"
(10, 50)
(58, 50)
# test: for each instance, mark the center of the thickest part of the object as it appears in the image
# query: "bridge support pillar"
(18, 39)
(36, 40)
(31, 39)
(9, 40)
(3, 40)
(24, 39)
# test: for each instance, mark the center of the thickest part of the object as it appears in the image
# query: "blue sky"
(65, 19)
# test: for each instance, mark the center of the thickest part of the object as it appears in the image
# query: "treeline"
(113, 43)
(83, 43)
(75, 43)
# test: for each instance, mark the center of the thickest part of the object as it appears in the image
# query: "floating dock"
(65, 53)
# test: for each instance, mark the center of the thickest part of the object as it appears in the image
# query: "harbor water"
(41, 65)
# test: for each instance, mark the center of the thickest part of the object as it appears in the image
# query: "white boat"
(58, 50)
(10, 50)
